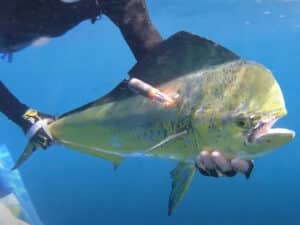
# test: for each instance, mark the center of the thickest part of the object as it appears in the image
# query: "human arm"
(12, 107)
(23, 116)
(132, 18)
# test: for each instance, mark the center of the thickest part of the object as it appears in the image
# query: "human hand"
(36, 128)
(215, 164)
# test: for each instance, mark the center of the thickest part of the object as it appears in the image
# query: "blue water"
(67, 187)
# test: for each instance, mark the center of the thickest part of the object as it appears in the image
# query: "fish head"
(242, 102)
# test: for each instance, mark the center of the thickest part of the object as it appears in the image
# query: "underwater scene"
(198, 128)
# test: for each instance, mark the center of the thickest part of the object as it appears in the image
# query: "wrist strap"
(37, 123)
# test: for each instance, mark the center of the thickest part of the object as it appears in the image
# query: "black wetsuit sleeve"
(12, 107)
(132, 18)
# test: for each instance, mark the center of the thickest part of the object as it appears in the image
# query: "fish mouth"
(263, 132)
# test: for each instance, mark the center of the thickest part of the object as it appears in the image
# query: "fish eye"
(243, 122)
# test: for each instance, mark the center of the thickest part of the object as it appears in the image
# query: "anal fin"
(182, 177)
(101, 153)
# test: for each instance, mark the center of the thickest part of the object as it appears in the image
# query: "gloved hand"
(36, 128)
(215, 164)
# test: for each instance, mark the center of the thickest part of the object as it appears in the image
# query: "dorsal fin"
(119, 92)
(179, 55)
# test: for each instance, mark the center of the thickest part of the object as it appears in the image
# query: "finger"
(205, 164)
(204, 160)
(222, 164)
(203, 172)
(242, 166)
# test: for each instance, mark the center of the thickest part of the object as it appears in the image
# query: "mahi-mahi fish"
(222, 103)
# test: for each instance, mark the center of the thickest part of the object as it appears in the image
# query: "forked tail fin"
(29, 149)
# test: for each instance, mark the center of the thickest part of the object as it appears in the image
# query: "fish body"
(222, 103)
(214, 111)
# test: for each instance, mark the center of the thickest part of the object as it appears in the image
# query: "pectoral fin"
(167, 140)
(182, 177)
